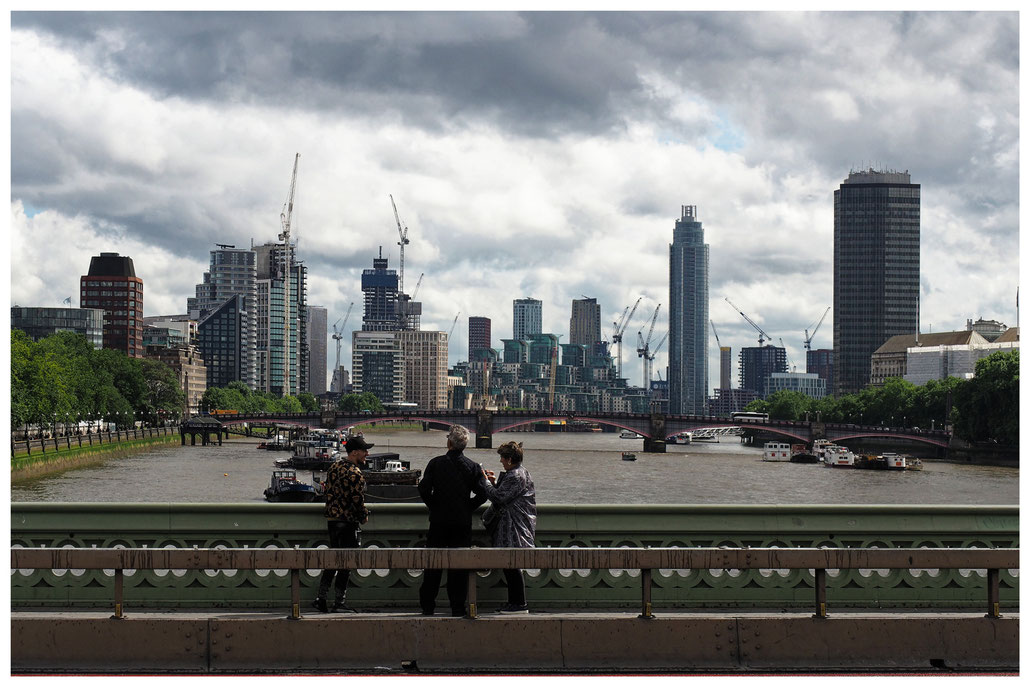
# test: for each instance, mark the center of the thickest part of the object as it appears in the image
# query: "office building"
(939, 362)
(184, 328)
(317, 345)
(479, 334)
(688, 315)
(232, 272)
(891, 359)
(527, 318)
(40, 323)
(809, 384)
(221, 338)
(280, 350)
(379, 286)
(585, 323)
(167, 337)
(875, 270)
(112, 286)
(757, 363)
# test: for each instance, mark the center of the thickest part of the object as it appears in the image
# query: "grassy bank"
(29, 466)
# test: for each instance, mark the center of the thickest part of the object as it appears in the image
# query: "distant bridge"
(655, 428)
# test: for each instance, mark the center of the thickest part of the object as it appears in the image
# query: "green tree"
(163, 396)
(308, 402)
(361, 402)
(989, 403)
(787, 405)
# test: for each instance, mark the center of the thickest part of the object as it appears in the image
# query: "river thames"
(570, 468)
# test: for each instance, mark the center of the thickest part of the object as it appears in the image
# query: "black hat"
(357, 444)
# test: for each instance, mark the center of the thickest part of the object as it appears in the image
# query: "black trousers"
(516, 587)
(342, 535)
(457, 580)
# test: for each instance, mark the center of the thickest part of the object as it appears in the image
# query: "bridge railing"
(646, 560)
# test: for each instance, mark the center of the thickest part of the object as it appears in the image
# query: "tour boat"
(776, 451)
(838, 457)
(681, 438)
(627, 434)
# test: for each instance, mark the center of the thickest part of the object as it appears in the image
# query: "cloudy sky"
(543, 155)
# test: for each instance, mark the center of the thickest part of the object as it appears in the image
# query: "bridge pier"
(484, 429)
(657, 430)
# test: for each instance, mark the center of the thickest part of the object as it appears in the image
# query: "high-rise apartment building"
(479, 334)
(232, 272)
(221, 338)
(282, 357)
(585, 323)
(875, 269)
(425, 368)
(317, 344)
(688, 315)
(757, 363)
(527, 318)
(112, 285)
(377, 361)
(725, 366)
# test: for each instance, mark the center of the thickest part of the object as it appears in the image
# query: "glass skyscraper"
(875, 269)
(688, 315)
(527, 318)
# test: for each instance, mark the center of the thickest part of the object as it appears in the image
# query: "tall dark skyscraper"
(585, 323)
(875, 269)
(479, 334)
(379, 285)
(688, 315)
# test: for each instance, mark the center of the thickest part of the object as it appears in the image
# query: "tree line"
(62, 379)
(984, 408)
(238, 396)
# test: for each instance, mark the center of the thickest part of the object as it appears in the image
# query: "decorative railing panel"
(403, 526)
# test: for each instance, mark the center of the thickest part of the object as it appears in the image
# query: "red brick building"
(112, 285)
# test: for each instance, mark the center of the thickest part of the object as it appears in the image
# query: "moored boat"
(776, 451)
(627, 434)
(286, 488)
(838, 457)
(799, 453)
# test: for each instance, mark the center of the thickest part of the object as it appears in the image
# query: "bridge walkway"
(568, 641)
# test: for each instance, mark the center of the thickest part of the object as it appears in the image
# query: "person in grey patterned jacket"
(511, 517)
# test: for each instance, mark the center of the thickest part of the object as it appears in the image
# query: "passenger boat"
(286, 488)
(799, 453)
(870, 461)
(315, 451)
(681, 438)
(776, 451)
(627, 434)
(626, 455)
(838, 457)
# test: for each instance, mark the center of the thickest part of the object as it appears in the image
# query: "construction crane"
(809, 337)
(286, 220)
(403, 233)
(762, 336)
(338, 335)
(453, 324)
(620, 328)
(643, 347)
(790, 362)
(717, 342)
(415, 292)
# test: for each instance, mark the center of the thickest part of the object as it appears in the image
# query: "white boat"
(681, 438)
(838, 457)
(627, 434)
(776, 451)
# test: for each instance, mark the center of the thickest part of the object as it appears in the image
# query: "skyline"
(156, 135)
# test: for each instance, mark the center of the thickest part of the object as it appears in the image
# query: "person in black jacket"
(452, 490)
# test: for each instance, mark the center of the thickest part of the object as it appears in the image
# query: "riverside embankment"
(38, 457)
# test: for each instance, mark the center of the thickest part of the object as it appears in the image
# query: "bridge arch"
(639, 428)
(883, 435)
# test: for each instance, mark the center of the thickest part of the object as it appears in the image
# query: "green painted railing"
(403, 525)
